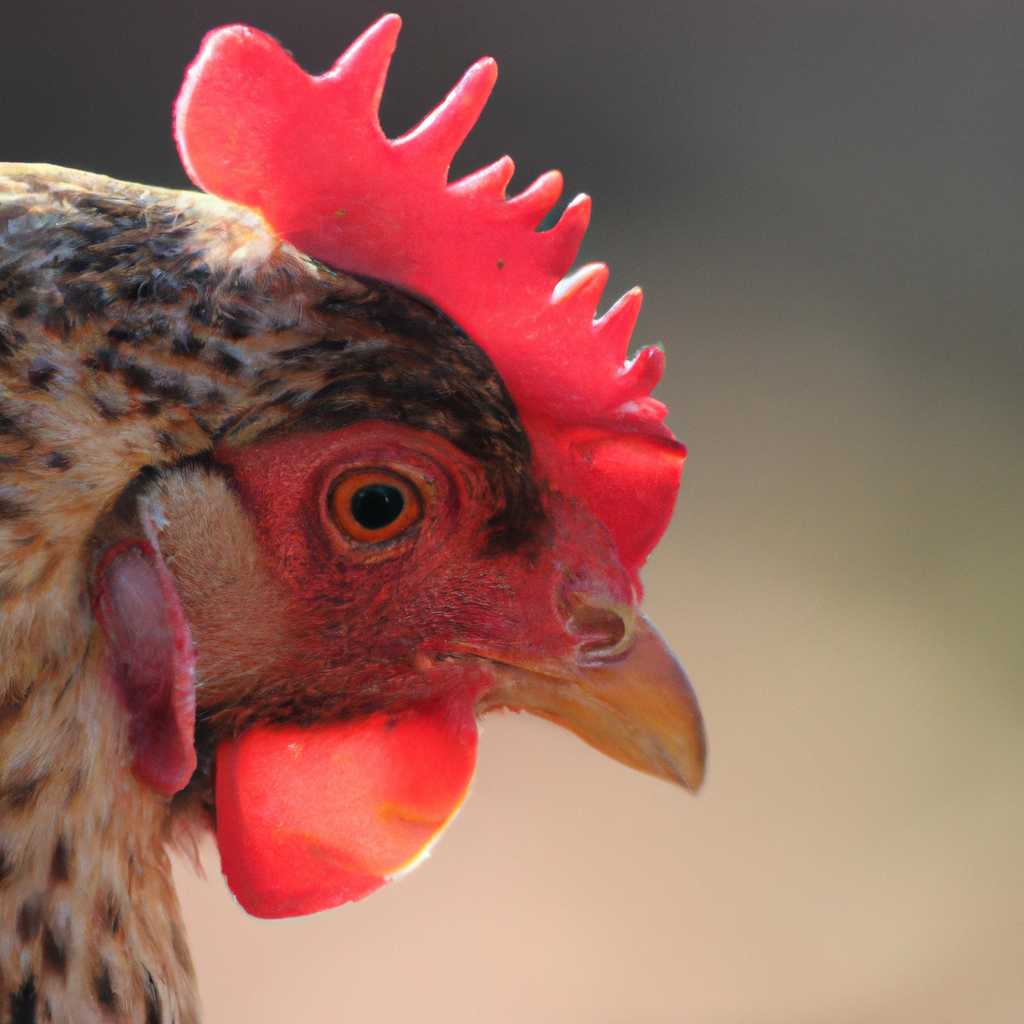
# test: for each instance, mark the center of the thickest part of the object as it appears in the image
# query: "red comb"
(310, 154)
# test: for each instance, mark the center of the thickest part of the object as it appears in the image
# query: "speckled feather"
(140, 328)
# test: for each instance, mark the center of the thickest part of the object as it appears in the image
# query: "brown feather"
(139, 329)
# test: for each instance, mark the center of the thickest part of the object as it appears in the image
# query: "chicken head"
(295, 484)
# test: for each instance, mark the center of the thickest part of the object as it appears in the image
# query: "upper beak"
(631, 700)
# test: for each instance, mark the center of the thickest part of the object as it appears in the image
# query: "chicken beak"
(632, 701)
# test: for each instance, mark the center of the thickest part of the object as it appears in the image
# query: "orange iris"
(371, 506)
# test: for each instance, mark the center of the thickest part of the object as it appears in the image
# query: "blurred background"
(823, 202)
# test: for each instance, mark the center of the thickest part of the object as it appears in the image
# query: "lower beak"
(636, 706)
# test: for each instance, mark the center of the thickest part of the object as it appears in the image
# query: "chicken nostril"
(604, 631)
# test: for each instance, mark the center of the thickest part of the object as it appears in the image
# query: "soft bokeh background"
(823, 202)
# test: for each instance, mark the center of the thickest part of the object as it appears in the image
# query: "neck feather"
(90, 929)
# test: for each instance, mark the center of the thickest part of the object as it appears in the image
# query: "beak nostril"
(604, 631)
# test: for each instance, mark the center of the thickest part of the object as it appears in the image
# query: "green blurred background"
(823, 202)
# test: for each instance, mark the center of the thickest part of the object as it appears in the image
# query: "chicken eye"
(372, 505)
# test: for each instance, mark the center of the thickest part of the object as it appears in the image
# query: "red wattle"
(308, 819)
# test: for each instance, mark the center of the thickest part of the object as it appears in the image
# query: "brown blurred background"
(824, 204)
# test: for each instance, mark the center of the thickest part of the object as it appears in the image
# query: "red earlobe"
(150, 661)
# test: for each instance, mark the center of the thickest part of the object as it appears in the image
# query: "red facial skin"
(380, 624)
(393, 640)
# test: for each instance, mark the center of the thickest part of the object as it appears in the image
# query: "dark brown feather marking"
(57, 323)
(108, 407)
(103, 988)
(10, 341)
(180, 946)
(40, 372)
(55, 956)
(30, 917)
(10, 506)
(9, 425)
(57, 460)
(59, 865)
(86, 298)
(154, 1014)
(187, 344)
(23, 1003)
(112, 913)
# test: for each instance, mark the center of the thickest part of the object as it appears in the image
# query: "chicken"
(275, 532)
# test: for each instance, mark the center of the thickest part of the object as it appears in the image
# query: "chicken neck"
(90, 929)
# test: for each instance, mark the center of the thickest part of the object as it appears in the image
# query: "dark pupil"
(377, 506)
